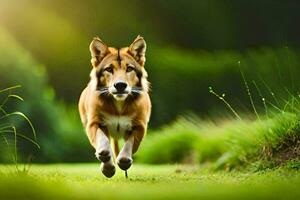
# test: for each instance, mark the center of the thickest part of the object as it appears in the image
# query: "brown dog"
(115, 104)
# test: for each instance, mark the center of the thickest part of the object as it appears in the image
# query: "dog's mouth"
(134, 91)
(120, 93)
(120, 96)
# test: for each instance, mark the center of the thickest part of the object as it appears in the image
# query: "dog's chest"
(117, 125)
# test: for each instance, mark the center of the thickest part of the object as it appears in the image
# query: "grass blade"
(10, 88)
(16, 96)
(24, 117)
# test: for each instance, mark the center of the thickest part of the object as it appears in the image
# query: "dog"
(116, 104)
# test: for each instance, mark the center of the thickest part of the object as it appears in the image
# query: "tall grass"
(8, 128)
(270, 140)
(226, 144)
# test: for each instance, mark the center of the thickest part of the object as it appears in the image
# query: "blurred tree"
(58, 130)
(58, 32)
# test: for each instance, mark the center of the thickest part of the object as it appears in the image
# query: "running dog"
(116, 104)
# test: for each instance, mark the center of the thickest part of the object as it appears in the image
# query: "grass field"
(84, 181)
(229, 144)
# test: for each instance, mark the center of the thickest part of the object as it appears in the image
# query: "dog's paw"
(125, 162)
(108, 170)
(103, 155)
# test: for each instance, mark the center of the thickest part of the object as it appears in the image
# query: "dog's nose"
(120, 86)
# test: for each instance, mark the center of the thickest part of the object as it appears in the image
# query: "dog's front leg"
(124, 158)
(101, 143)
(104, 153)
(132, 142)
(103, 149)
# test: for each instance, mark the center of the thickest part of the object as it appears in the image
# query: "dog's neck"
(119, 105)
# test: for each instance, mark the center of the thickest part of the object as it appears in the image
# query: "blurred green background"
(192, 45)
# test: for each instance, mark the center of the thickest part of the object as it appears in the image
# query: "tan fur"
(93, 107)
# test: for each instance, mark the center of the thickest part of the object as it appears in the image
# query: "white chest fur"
(117, 125)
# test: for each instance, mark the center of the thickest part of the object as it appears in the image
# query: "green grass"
(84, 181)
(9, 134)
(228, 144)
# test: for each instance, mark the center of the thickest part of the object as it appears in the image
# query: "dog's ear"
(138, 49)
(98, 51)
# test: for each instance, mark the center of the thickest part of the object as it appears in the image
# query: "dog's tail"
(116, 147)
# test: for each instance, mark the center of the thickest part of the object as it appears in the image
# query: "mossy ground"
(84, 181)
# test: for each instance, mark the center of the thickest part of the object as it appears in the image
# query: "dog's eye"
(129, 68)
(109, 69)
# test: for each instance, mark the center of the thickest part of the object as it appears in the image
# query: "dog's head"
(119, 72)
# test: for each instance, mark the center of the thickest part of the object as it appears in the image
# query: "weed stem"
(226, 103)
(249, 93)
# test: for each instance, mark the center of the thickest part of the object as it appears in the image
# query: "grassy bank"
(255, 144)
(84, 181)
